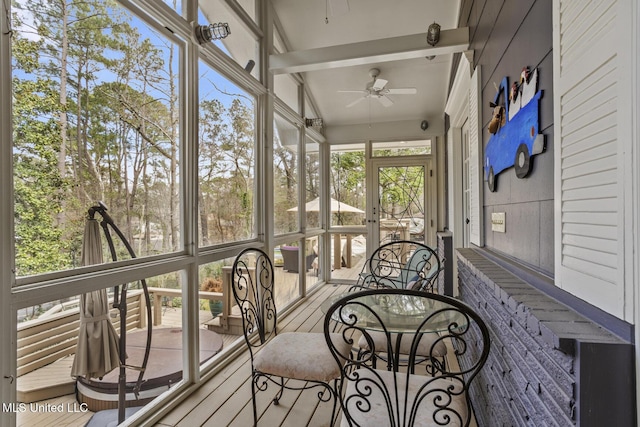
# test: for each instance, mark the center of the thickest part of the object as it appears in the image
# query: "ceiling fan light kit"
(377, 88)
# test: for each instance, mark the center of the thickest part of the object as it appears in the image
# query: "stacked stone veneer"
(541, 366)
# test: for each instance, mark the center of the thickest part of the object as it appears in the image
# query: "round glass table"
(398, 316)
(398, 313)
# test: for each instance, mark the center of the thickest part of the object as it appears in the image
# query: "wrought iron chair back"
(289, 355)
(252, 286)
(402, 264)
(397, 396)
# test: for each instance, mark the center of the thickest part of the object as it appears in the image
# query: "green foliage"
(94, 119)
(227, 147)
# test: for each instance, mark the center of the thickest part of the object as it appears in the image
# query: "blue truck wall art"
(515, 129)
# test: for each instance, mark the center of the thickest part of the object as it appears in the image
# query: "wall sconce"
(207, 33)
(313, 123)
(433, 34)
(424, 125)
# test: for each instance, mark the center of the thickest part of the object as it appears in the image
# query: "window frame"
(31, 290)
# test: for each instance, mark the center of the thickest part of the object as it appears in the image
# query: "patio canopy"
(336, 206)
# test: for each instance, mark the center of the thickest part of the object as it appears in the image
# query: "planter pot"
(215, 307)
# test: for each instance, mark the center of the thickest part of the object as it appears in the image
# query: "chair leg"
(334, 395)
(276, 400)
(253, 400)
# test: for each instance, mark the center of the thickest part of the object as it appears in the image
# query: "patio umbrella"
(336, 206)
(97, 349)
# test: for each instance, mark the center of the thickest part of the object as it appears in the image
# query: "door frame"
(430, 202)
(457, 108)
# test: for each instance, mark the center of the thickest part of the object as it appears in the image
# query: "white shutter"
(592, 135)
(475, 147)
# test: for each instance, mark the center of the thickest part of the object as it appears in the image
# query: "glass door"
(401, 206)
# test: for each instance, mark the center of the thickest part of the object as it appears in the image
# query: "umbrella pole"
(121, 304)
(122, 377)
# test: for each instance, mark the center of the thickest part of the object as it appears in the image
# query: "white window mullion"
(8, 334)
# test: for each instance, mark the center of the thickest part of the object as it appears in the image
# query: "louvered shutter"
(475, 171)
(592, 135)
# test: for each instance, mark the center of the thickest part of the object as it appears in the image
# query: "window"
(347, 185)
(242, 45)
(312, 183)
(97, 120)
(286, 140)
(226, 168)
(286, 88)
(401, 148)
(176, 5)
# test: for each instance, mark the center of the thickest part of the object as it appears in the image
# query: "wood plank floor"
(225, 400)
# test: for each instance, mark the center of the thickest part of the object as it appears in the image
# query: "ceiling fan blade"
(379, 84)
(386, 102)
(353, 91)
(402, 91)
(357, 101)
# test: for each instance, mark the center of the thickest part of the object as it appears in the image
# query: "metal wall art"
(514, 128)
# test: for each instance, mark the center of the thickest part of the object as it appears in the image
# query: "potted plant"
(212, 284)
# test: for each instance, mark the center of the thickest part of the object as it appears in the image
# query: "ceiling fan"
(377, 88)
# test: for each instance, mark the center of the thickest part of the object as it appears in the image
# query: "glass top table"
(398, 313)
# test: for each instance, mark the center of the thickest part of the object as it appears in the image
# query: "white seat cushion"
(302, 356)
(424, 346)
(378, 415)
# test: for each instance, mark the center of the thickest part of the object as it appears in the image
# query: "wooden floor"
(225, 400)
(58, 374)
(228, 392)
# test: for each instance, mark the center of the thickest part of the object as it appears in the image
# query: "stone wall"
(548, 365)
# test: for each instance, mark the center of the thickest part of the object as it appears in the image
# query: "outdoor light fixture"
(313, 122)
(433, 34)
(207, 33)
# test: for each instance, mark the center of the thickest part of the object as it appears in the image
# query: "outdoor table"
(400, 314)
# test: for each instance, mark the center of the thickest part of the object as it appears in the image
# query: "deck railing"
(44, 340)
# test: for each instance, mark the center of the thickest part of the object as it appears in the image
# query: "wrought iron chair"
(401, 264)
(276, 357)
(397, 395)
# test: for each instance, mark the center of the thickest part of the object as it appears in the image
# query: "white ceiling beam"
(369, 52)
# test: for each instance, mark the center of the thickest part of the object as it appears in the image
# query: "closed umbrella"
(97, 349)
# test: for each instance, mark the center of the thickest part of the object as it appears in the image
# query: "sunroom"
(316, 131)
